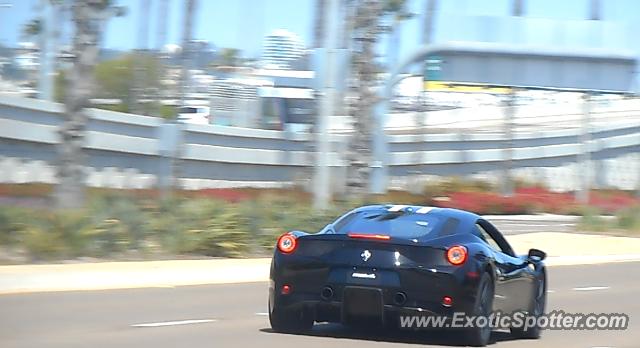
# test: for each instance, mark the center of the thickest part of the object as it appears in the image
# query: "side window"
(450, 227)
(485, 236)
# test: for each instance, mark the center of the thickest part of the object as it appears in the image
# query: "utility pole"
(509, 103)
(161, 34)
(161, 40)
(187, 30)
(140, 72)
(595, 10)
(507, 143)
(518, 8)
(319, 23)
(427, 30)
(584, 157)
(2, 7)
(426, 39)
(45, 80)
(322, 183)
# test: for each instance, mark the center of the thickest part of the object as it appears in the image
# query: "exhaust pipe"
(400, 298)
(327, 293)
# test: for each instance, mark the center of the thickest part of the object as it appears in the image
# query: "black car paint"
(418, 269)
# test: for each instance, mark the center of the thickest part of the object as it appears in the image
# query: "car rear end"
(374, 268)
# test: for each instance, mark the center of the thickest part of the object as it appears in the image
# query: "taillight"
(287, 243)
(457, 255)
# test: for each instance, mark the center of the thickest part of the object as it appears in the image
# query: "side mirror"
(536, 255)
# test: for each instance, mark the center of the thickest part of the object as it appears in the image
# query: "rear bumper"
(332, 311)
(422, 296)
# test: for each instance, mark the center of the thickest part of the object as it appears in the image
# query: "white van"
(194, 114)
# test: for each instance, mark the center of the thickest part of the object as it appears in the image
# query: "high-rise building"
(281, 50)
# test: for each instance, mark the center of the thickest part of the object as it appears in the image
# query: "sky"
(243, 23)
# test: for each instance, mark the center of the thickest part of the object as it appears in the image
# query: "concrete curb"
(127, 275)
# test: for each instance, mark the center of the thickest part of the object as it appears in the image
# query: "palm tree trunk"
(70, 191)
(366, 30)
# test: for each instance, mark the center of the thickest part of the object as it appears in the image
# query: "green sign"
(433, 68)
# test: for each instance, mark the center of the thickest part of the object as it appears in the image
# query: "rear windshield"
(395, 224)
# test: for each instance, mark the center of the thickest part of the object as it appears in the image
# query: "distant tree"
(115, 79)
(32, 28)
(228, 57)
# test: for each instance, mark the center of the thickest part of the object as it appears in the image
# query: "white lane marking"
(550, 291)
(174, 323)
(264, 314)
(590, 259)
(591, 288)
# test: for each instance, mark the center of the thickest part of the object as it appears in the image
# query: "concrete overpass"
(130, 147)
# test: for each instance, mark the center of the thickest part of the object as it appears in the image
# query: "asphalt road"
(234, 316)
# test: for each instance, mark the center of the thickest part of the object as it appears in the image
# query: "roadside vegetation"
(141, 224)
(625, 222)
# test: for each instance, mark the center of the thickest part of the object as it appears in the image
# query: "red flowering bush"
(530, 200)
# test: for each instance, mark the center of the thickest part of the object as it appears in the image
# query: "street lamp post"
(47, 56)
(584, 158)
(322, 183)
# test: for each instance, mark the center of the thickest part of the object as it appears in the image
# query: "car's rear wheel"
(536, 309)
(289, 321)
(479, 336)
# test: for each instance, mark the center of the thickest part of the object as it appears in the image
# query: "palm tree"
(367, 26)
(33, 28)
(228, 57)
(361, 98)
(88, 17)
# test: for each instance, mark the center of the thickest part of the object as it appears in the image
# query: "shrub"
(230, 223)
(592, 220)
(629, 218)
(50, 235)
(119, 225)
(41, 244)
(13, 220)
(450, 185)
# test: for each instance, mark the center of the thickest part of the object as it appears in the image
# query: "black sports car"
(377, 263)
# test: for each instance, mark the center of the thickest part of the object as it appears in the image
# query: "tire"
(536, 308)
(483, 306)
(289, 321)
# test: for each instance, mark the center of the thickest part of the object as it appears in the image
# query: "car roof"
(464, 216)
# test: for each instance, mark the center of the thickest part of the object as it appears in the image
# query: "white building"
(281, 49)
